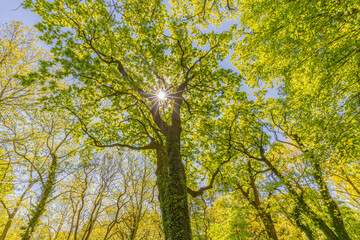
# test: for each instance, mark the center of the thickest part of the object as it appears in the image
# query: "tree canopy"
(241, 117)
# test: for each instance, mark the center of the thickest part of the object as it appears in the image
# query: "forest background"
(180, 120)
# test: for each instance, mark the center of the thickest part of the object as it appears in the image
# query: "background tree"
(316, 63)
(18, 55)
(108, 196)
(309, 49)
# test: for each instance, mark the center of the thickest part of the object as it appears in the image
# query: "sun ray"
(161, 95)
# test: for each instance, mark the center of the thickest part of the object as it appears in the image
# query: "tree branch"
(199, 192)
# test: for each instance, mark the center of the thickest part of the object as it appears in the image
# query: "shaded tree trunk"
(265, 216)
(171, 182)
(331, 205)
(303, 226)
(329, 233)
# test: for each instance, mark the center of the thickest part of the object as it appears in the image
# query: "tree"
(109, 195)
(56, 143)
(147, 76)
(144, 77)
(34, 142)
(18, 54)
(250, 139)
(310, 49)
(252, 194)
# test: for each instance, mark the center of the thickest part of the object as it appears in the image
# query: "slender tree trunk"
(264, 215)
(10, 220)
(259, 206)
(7, 227)
(40, 207)
(116, 218)
(329, 233)
(303, 226)
(171, 182)
(13, 213)
(59, 228)
(138, 214)
(94, 212)
(331, 205)
(82, 206)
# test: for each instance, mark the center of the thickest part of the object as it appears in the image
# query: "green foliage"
(282, 166)
(156, 52)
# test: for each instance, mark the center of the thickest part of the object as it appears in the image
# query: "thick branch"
(196, 193)
(152, 145)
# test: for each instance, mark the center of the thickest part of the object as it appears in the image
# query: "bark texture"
(171, 182)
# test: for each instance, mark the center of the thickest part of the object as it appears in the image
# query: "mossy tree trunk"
(171, 177)
(331, 205)
(45, 195)
(305, 208)
(171, 182)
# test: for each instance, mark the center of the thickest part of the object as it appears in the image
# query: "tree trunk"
(258, 205)
(269, 225)
(303, 226)
(40, 207)
(331, 205)
(7, 227)
(264, 215)
(171, 183)
(13, 213)
(329, 233)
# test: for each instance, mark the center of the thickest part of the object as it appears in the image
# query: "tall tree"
(311, 49)
(55, 143)
(140, 74)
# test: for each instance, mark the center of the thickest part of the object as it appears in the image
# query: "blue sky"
(11, 10)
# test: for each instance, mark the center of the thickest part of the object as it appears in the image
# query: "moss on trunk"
(171, 182)
(40, 206)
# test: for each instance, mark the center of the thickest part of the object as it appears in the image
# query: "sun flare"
(161, 95)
